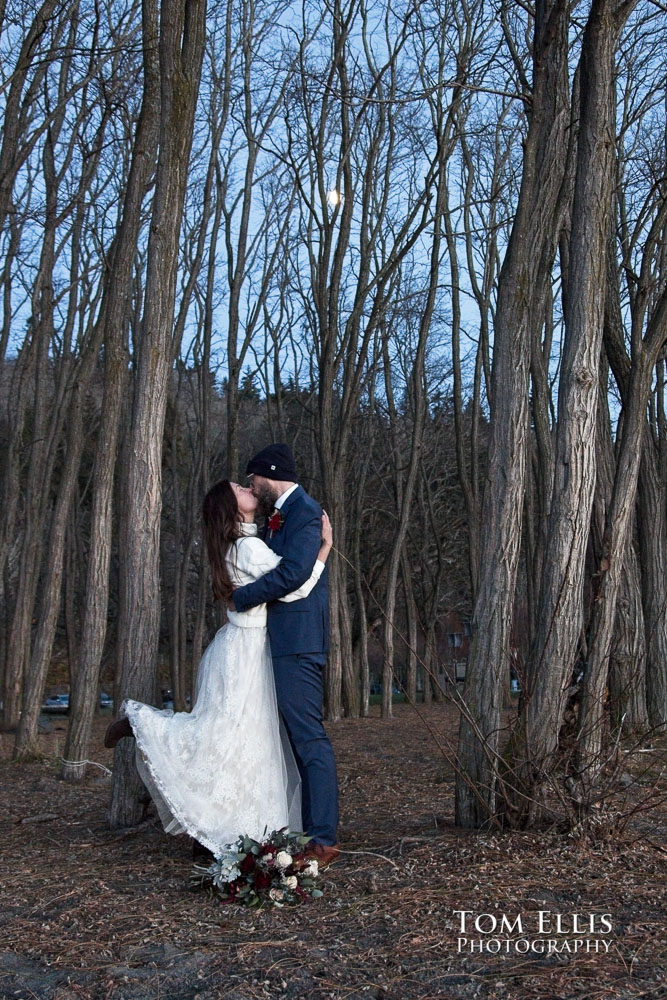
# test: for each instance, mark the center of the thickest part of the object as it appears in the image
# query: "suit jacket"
(300, 626)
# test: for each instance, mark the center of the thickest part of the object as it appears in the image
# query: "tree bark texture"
(523, 280)
(627, 655)
(560, 612)
(113, 320)
(181, 45)
(652, 530)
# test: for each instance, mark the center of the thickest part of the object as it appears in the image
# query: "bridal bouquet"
(254, 872)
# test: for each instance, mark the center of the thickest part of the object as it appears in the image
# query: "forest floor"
(96, 914)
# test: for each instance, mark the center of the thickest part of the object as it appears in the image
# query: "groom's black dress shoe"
(117, 731)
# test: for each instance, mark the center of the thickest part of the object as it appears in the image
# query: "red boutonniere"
(275, 522)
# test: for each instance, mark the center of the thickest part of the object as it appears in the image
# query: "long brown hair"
(220, 514)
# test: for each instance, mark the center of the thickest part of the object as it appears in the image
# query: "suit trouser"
(298, 680)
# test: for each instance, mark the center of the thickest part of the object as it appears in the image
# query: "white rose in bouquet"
(283, 859)
(291, 881)
(276, 895)
(312, 868)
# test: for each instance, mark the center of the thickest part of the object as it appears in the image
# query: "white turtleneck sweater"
(247, 560)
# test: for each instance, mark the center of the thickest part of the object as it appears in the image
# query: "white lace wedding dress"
(226, 768)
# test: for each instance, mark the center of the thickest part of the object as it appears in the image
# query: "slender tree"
(113, 324)
(180, 47)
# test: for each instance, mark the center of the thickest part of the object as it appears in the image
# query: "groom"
(298, 635)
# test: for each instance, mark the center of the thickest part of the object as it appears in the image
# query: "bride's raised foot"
(117, 731)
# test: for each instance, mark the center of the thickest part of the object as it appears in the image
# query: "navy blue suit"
(299, 639)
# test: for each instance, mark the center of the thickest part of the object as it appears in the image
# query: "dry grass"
(94, 914)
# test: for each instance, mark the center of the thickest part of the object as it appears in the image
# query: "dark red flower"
(275, 521)
(247, 864)
(262, 880)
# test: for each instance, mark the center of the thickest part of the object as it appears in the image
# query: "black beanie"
(273, 462)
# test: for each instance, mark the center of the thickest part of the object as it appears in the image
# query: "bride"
(226, 768)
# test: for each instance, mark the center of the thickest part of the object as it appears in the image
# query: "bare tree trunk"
(357, 697)
(430, 663)
(522, 285)
(45, 432)
(617, 539)
(13, 246)
(540, 476)
(360, 654)
(181, 571)
(627, 654)
(17, 404)
(173, 562)
(53, 387)
(627, 666)
(418, 393)
(411, 650)
(651, 510)
(81, 374)
(181, 45)
(339, 617)
(652, 529)
(33, 691)
(352, 686)
(468, 480)
(71, 589)
(651, 507)
(203, 478)
(114, 317)
(559, 619)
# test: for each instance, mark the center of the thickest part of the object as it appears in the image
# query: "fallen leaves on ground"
(94, 914)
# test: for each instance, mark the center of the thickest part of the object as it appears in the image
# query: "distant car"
(106, 701)
(56, 703)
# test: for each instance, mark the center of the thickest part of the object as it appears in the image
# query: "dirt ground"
(96, 914)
